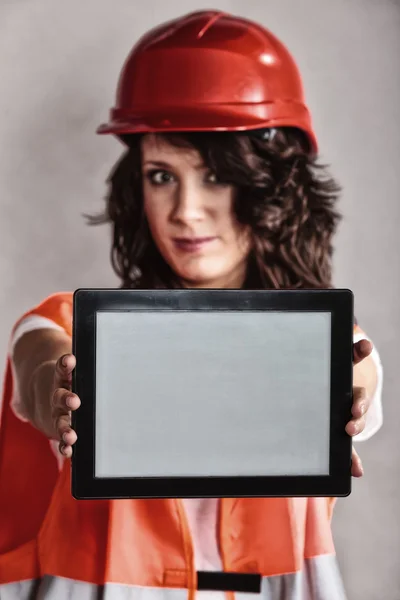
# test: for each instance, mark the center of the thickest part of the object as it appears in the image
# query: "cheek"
(156, 218)
(234, 232)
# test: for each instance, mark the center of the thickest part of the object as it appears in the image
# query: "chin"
(200, 279)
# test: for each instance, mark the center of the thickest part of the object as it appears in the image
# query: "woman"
(218, 188)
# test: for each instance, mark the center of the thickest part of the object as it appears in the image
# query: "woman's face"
(191, 217)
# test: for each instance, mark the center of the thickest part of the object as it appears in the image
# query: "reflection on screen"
(212, 393)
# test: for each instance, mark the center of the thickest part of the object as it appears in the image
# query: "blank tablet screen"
(197, 393)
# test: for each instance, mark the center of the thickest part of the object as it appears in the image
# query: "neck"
(234, 280)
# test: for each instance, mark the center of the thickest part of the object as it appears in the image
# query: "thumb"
(361, 350)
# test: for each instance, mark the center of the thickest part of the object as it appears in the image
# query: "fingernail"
(68, 401)
(65, 436)
(362, 408)
(64, 361)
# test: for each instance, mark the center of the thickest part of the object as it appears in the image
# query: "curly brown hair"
(282, 192)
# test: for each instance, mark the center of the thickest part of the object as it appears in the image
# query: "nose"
(188, 204)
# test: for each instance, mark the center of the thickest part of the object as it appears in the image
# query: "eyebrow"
(165, 165)
(158, 163)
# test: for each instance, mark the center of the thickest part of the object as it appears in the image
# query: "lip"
(192, 244)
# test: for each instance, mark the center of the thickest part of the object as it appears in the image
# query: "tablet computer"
(212, 393)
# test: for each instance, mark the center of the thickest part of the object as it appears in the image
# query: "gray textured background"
(59, 63)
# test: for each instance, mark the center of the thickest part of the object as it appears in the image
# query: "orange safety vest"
(146, 544)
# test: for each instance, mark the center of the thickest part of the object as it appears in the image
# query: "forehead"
(158, 149)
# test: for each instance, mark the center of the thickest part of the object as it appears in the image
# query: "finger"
(360, 402)
(356, 465)
(63, 372)
(62, 424)
(65, 449)
(361, 350)
(355, 426)
(69, 437)
(63, 401)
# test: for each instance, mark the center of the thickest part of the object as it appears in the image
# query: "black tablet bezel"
(87, 302)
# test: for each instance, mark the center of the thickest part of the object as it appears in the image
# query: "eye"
(159, 177)
(213, 179)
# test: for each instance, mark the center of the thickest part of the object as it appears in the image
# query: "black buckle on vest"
(229, 582)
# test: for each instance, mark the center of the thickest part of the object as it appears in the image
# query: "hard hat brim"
(203, 119)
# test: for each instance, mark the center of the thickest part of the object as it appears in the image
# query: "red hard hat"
(209, 71)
